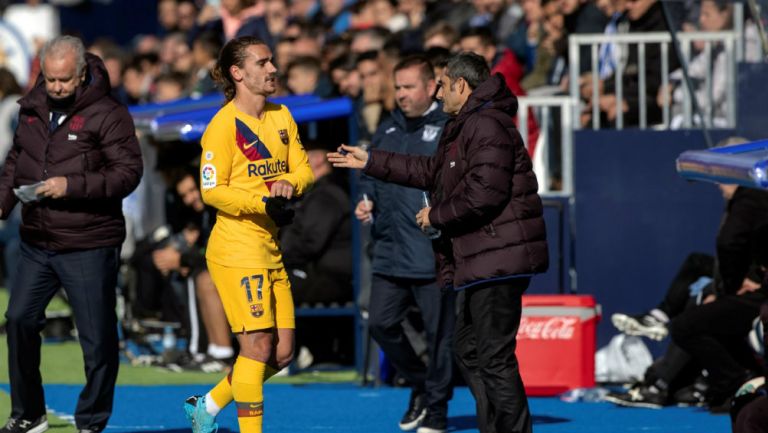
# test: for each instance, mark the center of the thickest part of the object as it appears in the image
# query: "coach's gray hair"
(60, 45)
(469, 66)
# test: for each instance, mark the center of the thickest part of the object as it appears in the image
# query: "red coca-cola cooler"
(556, 343)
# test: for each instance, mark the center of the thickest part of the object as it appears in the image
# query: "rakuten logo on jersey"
(547, 328)
(267, 168)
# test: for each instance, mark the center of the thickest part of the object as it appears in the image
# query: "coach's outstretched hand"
(348, 157)
(279, 209)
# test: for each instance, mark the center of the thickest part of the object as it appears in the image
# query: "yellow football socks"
(221, 394)
(247, 388)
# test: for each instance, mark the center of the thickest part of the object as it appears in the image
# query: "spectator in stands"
(403, 264)
(715, 15)
(79, 145)
(167, 16)
(644, 16)
(441, 35)
(368, 40)
(438, 58)
(415, 11)
(205, 51)
(345, 76)
(501, 16)
(608, 53)
(492, 229)
(386, 15)
(582, 16)
(172, 48)
(186, 15)
(277, 16)
(170, 86)
(137, 83)
(235, 18)
(546, 36)
(377, 91)
(480, 41)
(334, 15)
(304, 76)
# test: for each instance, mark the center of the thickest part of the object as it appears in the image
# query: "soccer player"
(252, 162)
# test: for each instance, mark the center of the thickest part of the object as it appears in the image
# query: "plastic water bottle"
(430, 231)
(584, 395)
(169, 339)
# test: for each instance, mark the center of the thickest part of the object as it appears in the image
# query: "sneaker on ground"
(433, 422)
(210, 364)
(639, 396)
(201, 420)
(415, 413)
(692, 395)
(644, 325)
(25, 426)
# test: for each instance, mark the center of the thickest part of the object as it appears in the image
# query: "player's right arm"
(216, 173)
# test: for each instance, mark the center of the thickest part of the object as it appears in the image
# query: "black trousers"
(391, 298)
(678, 295)
(714, 335)
(89, 277)
(486, 339)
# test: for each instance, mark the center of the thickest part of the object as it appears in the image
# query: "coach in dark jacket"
(493, 235)
(78, 147)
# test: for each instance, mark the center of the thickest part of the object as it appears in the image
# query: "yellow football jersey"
(242, 157)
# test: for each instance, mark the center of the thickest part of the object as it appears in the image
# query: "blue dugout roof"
(742, 164)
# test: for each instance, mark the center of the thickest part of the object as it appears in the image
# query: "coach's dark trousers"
(89, 278)
(391, 298)
(486, 338)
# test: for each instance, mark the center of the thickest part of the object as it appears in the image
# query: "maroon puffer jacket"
(484, 192)
(95, 148)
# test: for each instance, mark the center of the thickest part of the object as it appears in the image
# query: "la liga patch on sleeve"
(208, 176)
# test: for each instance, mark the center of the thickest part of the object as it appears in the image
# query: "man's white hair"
(61, 45)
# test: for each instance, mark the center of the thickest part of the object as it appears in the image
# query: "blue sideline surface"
(347, 408)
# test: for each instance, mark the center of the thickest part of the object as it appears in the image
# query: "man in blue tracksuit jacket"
(403, 260)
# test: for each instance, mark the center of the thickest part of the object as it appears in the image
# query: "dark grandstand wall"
(119, 20)
(751, 108)
(635, 219)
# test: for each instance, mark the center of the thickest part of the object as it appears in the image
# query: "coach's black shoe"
(25, 426)
(639, 396)
(416, 412)
(434, 422)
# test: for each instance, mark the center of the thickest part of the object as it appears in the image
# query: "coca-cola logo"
(547, 328)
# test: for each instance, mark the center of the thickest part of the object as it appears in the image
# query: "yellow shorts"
(254, 298)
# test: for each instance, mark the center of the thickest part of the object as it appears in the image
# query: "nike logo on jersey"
(248, 142)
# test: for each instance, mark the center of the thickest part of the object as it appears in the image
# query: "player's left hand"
(422, 218)
(55, 187)
(281, 188)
